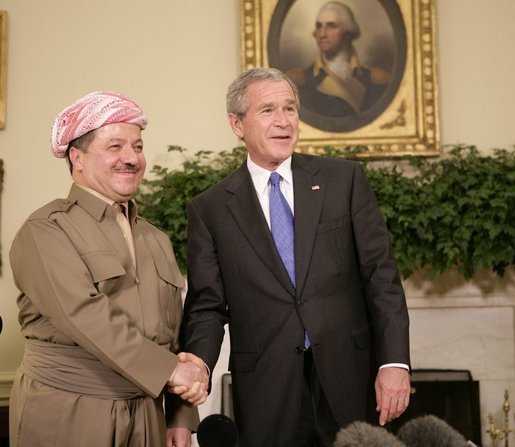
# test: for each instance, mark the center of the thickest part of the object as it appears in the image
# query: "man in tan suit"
(100, 302)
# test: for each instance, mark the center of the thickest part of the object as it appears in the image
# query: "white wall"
(176, 60)
(475, 58)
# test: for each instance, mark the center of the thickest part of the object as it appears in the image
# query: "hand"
(190, 379)
(178, 437)
(392, 393)
(188, 356)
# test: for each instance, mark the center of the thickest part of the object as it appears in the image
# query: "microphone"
(1, 325)
(430, 431)
(359, 434)
(217, 430)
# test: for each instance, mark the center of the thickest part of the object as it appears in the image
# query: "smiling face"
(113, 163)
(270, 126)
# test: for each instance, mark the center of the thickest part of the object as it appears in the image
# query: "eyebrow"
(330, 22)
(266, 105)
(119, 139)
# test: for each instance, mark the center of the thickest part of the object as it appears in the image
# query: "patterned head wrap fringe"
(94, 110)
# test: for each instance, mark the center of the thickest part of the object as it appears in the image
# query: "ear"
(76, 156)
(236, 125)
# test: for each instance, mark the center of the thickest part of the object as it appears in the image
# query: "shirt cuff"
(395, 365)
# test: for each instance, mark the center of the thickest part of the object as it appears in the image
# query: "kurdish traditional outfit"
(100, 309)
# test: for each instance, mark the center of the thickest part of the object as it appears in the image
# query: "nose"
(128, 155)
(281, 118)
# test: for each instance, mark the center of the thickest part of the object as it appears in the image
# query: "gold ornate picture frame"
(3, 67)
(397, 38)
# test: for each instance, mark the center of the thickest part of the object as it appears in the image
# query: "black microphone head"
(359, 434)
(217, 430)
(430, 431)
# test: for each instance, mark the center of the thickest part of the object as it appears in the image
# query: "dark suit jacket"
(348, 296)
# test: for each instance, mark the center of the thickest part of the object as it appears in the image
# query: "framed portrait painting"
(365, 70)
(3, 66)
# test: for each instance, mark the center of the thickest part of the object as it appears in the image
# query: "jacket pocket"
(332, 225)
(361, 338)
(169, 273)
(102, 265)
(170, 284)
(243, 361)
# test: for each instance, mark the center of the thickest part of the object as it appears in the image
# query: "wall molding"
(450, 289)
(6, 383)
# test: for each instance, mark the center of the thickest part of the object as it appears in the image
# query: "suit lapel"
(246, 211)
(309, 191)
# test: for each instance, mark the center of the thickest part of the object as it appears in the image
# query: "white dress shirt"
(260, 179)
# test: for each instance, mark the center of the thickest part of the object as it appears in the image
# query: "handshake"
(190, 379)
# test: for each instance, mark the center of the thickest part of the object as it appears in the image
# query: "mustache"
(128, 167)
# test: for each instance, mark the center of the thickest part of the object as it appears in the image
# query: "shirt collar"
(100, 209)
(261, 176)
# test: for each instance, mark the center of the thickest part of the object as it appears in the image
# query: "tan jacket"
(79, 287)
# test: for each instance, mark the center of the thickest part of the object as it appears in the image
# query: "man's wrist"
(395, 365)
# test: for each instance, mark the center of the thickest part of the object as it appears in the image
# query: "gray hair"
(346, 17)
(237, 101)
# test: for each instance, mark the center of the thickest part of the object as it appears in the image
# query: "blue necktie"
(281, 225)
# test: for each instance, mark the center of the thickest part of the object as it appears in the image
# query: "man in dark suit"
(305, 348)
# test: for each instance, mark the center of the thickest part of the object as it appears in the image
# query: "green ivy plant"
(457, 211)
(163, 199)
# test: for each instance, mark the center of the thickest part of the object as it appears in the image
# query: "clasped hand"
(190, 379)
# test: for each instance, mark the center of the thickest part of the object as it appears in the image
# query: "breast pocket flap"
(103, 265)
(331, 225)
(169, 272)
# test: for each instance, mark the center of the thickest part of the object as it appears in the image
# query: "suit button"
(300, 302)
(299, 349)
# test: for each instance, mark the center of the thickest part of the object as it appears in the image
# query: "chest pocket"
(169, 273)
(170, 284)
(104, 267)
(331, 225)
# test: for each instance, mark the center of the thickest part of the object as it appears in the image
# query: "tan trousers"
(43, 416)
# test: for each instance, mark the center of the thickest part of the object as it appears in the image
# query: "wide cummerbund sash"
(71, 368)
